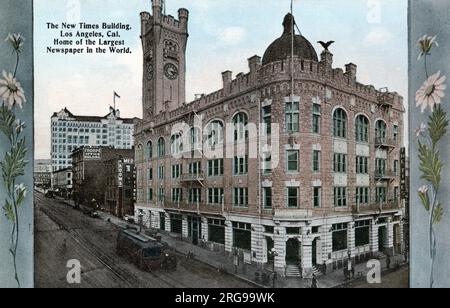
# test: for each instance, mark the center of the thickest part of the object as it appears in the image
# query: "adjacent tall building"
(70, 132)
(324, 185)
(104, 177)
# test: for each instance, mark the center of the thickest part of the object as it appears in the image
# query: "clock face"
(149, 71)
(171, 71)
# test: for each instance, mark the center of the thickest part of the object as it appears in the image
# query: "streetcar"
(145, 252)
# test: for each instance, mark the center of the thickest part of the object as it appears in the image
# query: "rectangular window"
(216, 231)
(267, 164)
(149, 174)
(176, 171)
(380, 195)
(362, 233)
(215, 167)
(396, 167)
(316, 119)
(396, 195)
(161, 172)
(380, 166)
(195, 168)
(242, 236)
(362, 195)
(149, 194)
(240, 197)
(161, 195)
(292, 114)
(267, 197)
(317, 197)
(339, 237)
(340, 196)
(362, 165)
(292, 197)
(316, 161)
(340, 163)
(177, 195)
(292, 161)
(195, 195)
(215, 195)
(395, 134)
(267, 119)
(240, 165)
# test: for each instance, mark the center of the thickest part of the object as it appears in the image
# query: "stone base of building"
(297, 248)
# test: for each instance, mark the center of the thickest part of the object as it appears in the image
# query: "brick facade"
(271, 85)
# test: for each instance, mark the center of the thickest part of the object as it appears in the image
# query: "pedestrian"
(388, 262)
(314, 283)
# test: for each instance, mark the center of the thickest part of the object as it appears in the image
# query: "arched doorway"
(293, 252)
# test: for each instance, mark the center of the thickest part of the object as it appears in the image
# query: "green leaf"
(430, 165)
(425, 201)
(437, 125)
(438, 214)
(9, 211)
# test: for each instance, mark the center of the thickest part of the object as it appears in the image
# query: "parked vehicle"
(129, 219)
(145, 252)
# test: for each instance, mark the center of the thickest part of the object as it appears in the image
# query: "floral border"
(12, 97)
(430, 96)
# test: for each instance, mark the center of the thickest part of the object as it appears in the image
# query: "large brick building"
(93, 171)
(317, 185)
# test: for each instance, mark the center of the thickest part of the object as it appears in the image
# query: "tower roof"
(281, 48)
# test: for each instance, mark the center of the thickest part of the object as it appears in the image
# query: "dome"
(281, 48)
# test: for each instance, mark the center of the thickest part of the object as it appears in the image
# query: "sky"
(223, 34)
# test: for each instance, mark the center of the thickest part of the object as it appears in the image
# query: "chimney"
(351, 70)
(227, 77)
(254, 63)
(326, 58)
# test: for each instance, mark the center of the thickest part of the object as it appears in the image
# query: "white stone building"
(70, 132)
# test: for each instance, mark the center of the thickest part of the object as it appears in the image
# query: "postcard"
(207, 146)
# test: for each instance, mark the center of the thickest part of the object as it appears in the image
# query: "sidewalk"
(223, 262)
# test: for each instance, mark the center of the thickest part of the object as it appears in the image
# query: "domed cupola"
(281, 48)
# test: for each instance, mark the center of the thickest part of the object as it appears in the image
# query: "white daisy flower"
(11, 90)
(432, 92)
(426, 43)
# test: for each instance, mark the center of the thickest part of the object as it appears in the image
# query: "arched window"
(380, 131)
(176, 144)
(140, 153)
(149, 150)
(240, 122)
(340, 123)
(161, 147)
(214, 133)
(362, 129)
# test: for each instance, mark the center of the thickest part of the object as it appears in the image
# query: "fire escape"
(384, 174)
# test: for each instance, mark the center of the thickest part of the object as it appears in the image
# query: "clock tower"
(164, 41)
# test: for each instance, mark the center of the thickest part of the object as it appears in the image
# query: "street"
(63, 233)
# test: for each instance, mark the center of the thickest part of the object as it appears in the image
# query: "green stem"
(433, 235)
(17, 64)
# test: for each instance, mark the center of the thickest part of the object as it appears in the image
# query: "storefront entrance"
(195, 229)
(293, 252)
(314, 252)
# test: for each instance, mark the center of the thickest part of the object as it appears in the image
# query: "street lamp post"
(274, 254)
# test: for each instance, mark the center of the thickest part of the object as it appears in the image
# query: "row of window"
(215, 168)
(240, 196)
